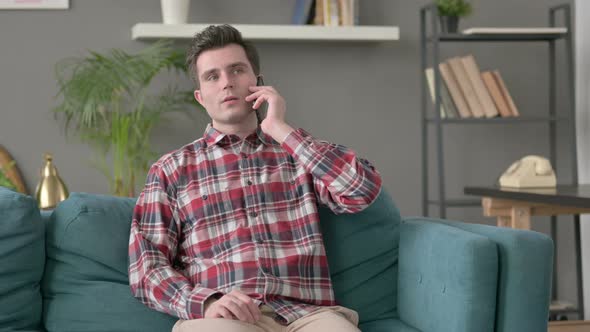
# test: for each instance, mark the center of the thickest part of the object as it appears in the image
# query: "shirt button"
(253, 214)
(205, 197)
(249, 182)
(244, 156)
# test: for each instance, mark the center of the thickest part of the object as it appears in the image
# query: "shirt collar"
(214, 136)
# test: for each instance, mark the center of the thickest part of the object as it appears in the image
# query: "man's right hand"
(234, 305)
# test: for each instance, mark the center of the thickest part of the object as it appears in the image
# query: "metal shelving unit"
(431, 39)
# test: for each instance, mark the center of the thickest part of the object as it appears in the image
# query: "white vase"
(175, 11)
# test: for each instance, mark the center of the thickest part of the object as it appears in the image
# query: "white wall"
(582, 32)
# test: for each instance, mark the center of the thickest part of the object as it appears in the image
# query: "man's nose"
(227, 82)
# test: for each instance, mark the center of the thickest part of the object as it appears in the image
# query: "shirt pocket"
(210, 221)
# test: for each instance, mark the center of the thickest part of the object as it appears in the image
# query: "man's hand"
(234, 305)
(274, 123)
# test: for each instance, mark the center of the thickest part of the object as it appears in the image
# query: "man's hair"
(214, 37)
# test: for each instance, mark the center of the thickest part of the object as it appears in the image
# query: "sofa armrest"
(525, 272)
(447, 278)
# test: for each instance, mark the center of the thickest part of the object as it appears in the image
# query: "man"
(225, 234)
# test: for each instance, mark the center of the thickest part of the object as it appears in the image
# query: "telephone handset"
(259, 80)
(261, 111)
(529, 172)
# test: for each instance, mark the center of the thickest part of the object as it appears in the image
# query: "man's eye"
(238, 70)
(211, 77)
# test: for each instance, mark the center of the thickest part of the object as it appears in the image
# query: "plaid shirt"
(224, 213)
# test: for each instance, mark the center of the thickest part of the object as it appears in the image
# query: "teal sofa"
(67, 270)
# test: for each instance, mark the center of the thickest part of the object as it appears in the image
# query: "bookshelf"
(431, 39)
(268, 32)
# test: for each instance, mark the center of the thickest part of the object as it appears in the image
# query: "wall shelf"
(266, 32)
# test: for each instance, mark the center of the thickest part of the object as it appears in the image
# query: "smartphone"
(261, 111)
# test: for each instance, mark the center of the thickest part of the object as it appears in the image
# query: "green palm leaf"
(105, 101)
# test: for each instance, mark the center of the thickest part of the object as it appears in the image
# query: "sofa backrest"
(362, 250)
(22, 257)
(86, 286)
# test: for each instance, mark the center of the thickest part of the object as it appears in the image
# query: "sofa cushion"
(22, 257)
(362, 251)
(86, 287)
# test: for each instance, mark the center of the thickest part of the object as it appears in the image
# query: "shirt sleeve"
(153, 246)
(343, 182)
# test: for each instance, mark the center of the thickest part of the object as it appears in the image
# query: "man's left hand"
(274, 123)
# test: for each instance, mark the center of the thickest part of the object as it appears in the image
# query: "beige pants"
(335, 318)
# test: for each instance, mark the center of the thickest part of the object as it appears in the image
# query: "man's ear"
(198, 97)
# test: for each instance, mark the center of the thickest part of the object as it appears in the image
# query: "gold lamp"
(51, 188)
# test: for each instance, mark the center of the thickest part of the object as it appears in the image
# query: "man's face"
(224, 76)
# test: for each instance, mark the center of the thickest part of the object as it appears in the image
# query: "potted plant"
(450, 11)
(105, 101)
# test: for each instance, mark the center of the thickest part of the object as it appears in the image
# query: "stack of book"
(467, 92)
(326, 12)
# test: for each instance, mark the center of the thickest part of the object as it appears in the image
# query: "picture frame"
(34, 4)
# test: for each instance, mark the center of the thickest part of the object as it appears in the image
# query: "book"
(508, 30)
(447, 108)
(447, 100)
(505, 93)
(335, 13)
(326, 11)
(311, 14)
(456, 65)
(302, 12)
(454, 90)
(472, 70)
(319, 13)
(346, 12)
(331, 12)
(496, 94)
(429, 72)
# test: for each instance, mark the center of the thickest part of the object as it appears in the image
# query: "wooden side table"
(517, 213)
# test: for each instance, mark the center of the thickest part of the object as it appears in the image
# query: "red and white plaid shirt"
(224, 213)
